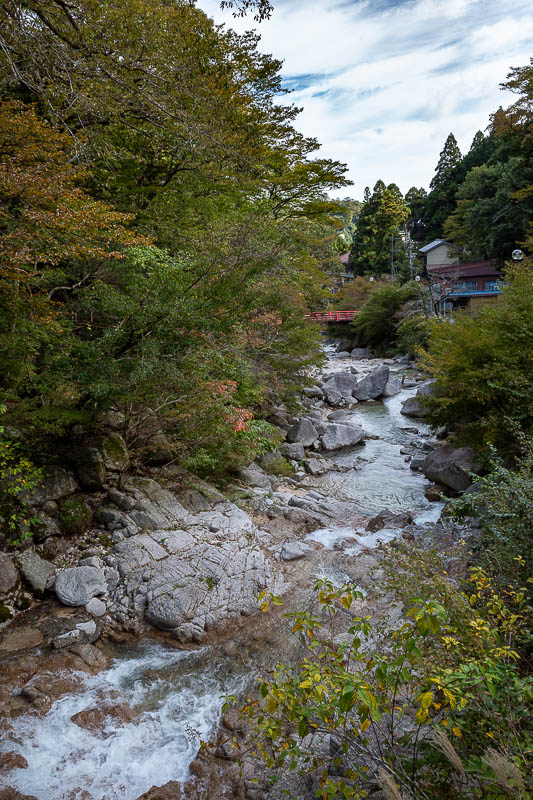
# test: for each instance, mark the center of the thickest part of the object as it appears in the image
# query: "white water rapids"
(182, 694)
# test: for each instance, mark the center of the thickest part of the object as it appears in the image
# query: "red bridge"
(331, 316)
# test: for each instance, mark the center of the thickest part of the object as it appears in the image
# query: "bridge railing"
(331, 316)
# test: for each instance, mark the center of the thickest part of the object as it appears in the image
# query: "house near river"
(466, 285)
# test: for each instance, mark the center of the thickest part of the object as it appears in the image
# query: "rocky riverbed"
(112, 679)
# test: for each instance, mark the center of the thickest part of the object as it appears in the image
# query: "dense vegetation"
(163, 225)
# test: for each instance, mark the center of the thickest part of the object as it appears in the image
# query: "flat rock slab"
(19, 640)
(191, 580)
(338, 435)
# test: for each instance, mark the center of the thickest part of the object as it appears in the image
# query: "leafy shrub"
(377, 323)
(437, 707)
(18, 476)
(413, 332)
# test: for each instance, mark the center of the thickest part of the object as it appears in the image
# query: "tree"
(377, 231)
(488, 221)
(441, 199)
(416, 200)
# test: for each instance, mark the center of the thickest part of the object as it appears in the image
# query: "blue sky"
(383, 82)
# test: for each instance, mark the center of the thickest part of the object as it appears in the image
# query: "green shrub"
(376, 324)
(413, 333)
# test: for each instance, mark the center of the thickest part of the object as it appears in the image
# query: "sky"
(383, 82)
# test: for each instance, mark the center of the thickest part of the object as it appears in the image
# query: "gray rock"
(121, 500)
(417, 462)
(343, 354)
(338, 435)
(293, 450)
(339, 388)
(388, 519)
(9, 576)
(303, 432)
(317, 466)
(77, 585)
(106, 516)
(89, 466)
(359, 352)
(35, 569)
(294, 550)
(87, 627)
(335, 416)
(313, 391)
(96, 607)
(408, 383)
(392, 387)
(373, 385)
(415, 406)
(113, 419)
(450, 466)
(255, 476)
(56, 483)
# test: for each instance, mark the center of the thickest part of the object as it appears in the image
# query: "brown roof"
(474, 269)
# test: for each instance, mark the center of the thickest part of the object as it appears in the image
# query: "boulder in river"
(415, 406)
(339, 388)
(359, 352)
(303, 432)
(337, 436)
(450, 466)
(372, 386)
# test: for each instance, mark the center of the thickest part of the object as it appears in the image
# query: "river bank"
(175, 624)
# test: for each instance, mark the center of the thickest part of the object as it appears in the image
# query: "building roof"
(471, 269)
(432, 245)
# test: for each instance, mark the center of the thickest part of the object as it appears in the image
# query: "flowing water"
(178, 697)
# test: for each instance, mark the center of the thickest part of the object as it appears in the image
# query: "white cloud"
(386, 82)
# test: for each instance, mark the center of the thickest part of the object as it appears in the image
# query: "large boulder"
(35, 569)
(56, 483)
(254, 475)
(359, 352)
(338, 435)
(415, 406)
(450, 466)
(292, 450)
(339, 388)
(373, 385)
(77, 585)
(304, 432)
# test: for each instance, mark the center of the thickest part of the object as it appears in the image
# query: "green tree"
(441, 199)
(378, 227)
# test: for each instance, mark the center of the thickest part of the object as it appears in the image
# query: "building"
(468, 285)
(439, 252)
